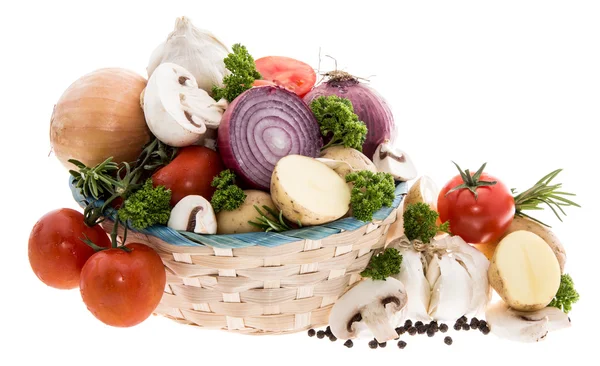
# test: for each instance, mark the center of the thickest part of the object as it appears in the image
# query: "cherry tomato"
(57, 253)
(479, 211)
(123, 288)
(289, 73)
(190, 173)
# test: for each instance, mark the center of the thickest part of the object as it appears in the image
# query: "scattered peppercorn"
(400, 330)
(486, 330)
(349, 343)
(448, 340)
(401, 344)
(463, 319)
(434, 325)
(482, 324)
(474, 323)
(373, 344)
(465, 326)
(418, 324)
(422, 329)
(311, 332)
(332, 338)
(443, 328)
(457, 326)
(320, 334)
(328, 331)
(408, 323)
(412, 330)
(382, 345)
(430, 332)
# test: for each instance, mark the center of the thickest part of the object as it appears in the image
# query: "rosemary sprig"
(109, 180)
(276, 222)
(543, 193)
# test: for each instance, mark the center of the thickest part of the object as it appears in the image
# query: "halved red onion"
(260, 127)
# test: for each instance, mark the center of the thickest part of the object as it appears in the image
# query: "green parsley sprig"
(383, 265)
(420, 222)
(370, 192)
(337, 119)
(243, 73)
(228, 196)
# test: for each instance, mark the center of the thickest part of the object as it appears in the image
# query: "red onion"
(370, 107)
(260, 127)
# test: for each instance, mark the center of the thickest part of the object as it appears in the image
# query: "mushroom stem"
(376, 317)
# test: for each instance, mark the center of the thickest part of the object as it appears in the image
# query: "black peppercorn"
(474, 323)
(332, 338)
(430, 332)
(382, 345)
(311, 332)
(400, 330)
(448, 340)
(434, 325)
(486, 330)
(412, 331)
(457, 326)
(418, 324)
(443, 328)
(401, 344)
(349, 343)
(408, 323)
(465, 326)
(320, 334)
(373, 344)
(482, 324)
(422, 329)
(328, 331)
(463, 319)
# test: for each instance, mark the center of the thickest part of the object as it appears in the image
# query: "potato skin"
(291, 209)
(524, 223)
(236, 221)
(414, 196)
(356, 159)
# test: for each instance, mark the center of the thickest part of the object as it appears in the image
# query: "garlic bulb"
(444, 279)
(196, 50)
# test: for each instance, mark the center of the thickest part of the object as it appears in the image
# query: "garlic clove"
(194, 214)
(195, 49)
(452, 292)
(390, 159)
(477, 266)
(417, 288)
(177, 112)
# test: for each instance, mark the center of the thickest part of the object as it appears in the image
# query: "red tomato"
(120, 288)
(263, 83)
(480, 219)
(289, 73)
(57, 253)
(190, 173)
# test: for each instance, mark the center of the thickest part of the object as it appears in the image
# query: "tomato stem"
(91, 244)
(471, 181)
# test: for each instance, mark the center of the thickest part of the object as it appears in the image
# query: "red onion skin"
(225, 148)
(370, 107)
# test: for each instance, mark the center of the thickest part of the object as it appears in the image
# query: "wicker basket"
(262, 283)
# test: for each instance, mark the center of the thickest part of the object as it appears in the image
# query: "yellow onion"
(100, 116)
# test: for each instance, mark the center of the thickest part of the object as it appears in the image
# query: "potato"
(524, 271)
(524, 223)
(236, 221)
(423, 190)
(356, 159)
(308, 191)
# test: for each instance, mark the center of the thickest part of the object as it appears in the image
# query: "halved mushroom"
(177, 112)
(195, 214)
(390, 159)
(373, 304)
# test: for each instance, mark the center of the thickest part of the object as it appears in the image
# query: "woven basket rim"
(266, 239)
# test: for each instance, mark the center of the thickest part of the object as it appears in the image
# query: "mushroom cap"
(392, 160)
(193, 213)
(358, 298)
(177, 111)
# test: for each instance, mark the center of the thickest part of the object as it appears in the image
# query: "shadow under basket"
(261, 283)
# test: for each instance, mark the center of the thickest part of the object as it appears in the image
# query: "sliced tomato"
(287, 72)
(262, 82)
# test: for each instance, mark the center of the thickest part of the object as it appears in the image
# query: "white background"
(513, 83)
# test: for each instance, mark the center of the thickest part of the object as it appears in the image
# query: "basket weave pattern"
(263, 290)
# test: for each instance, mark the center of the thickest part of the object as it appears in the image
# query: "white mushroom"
(195, 214)
(177, 112)
(390, 159)
(524, 326)
(373, 304)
